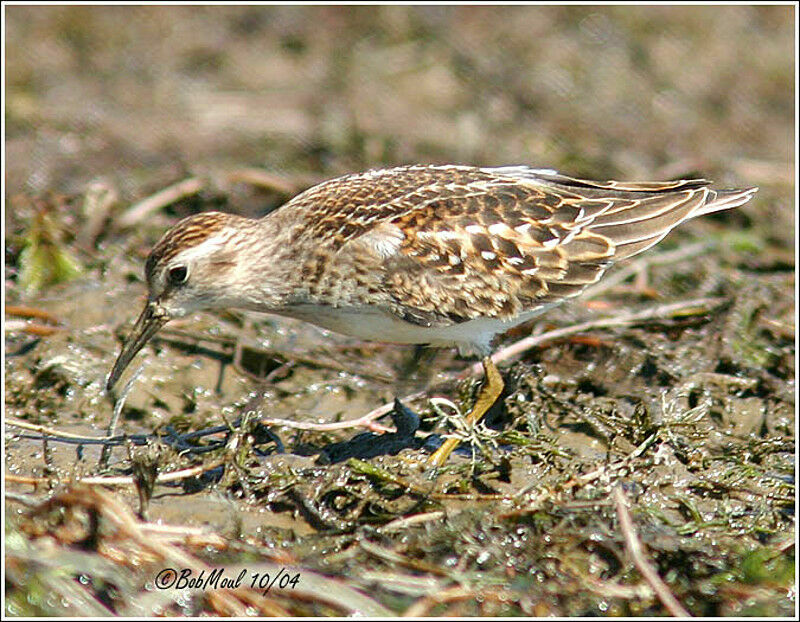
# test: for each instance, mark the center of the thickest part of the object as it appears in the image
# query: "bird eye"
(177, 275)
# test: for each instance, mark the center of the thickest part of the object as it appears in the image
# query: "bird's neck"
(266, 273)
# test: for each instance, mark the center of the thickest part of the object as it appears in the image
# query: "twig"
(365, 421)
(697, 306)
(268, 181)
(32, 328)
(122, 480)
(51, 432)
(634, 549)
(31, 313)
(615, 590)
(141, 210)
(38, 330)
(408, 521)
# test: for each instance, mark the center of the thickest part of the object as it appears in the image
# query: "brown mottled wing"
(352, 219)
(457, 243)
(525, 239)
(342, 209)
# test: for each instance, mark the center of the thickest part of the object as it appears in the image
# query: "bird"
(444, 255)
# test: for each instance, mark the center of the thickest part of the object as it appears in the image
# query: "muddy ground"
(686, 419)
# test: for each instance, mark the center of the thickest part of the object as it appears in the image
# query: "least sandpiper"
(440, 255)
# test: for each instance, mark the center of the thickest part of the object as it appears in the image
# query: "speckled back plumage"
(447, 244)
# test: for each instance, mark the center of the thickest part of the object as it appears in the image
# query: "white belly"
(373, 325)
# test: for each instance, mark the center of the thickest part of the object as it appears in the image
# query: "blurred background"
(141, 95)
(239, 108)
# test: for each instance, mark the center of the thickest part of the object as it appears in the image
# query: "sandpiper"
(442, 255)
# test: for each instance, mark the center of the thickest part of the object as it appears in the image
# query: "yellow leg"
(491, 390)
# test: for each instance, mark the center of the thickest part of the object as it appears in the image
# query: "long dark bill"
(153, 317)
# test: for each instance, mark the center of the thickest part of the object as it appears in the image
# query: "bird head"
(188, 270)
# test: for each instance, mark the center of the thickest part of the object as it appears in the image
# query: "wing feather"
(455, 243)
